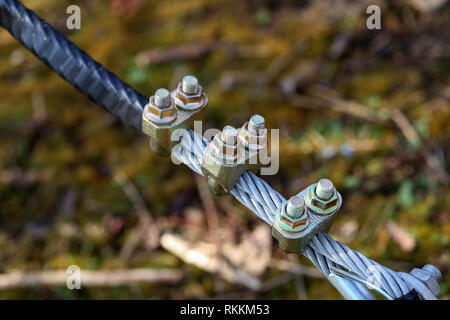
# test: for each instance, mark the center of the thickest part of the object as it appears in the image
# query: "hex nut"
(250, 139)
(288, 230)
(225, 146)
(189, 102)
(220, 164)
(290, 223)
(160, 115)
(321, 206)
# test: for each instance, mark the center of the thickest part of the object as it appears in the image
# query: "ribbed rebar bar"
(73, 64)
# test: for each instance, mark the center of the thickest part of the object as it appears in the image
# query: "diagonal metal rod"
(73, 64)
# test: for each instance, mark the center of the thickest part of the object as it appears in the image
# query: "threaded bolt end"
(324, 189)
(433, 271)
(256, 123)
(229, 135)
(162, 98)
(295, 207)
(189, 85)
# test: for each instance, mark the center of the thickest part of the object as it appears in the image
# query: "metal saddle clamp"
(300, 218)
(167, 111)
(232, 152)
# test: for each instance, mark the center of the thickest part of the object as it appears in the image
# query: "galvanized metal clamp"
(300, 218)
(167, 111)
(232, 152)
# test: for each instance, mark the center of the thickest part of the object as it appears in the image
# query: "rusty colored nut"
(160, 118)
(189, 94)
(253, 134)
(220, 162)
(290, 224)
(321, 198)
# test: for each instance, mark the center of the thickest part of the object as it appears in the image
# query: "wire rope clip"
(232, 152)
(300, 218)
(168, 111)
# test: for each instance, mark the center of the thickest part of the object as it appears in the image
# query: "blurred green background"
(368, 109)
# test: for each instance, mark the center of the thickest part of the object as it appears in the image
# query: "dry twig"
(212, 216)
(90, 278)
(146, 222)
(204, 256)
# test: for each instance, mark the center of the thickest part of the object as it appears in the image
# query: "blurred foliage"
(294, 62)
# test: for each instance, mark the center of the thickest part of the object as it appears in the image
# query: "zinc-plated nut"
(252, 140)
(253, 134)
(225, 145)
(291, 220)
(160, 108)
(161, 117)
(189, 94)
(220, 161)
(321, 198)
(430, 276)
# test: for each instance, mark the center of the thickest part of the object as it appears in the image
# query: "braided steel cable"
(117, 97)
(323, 251)
(73, 64)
